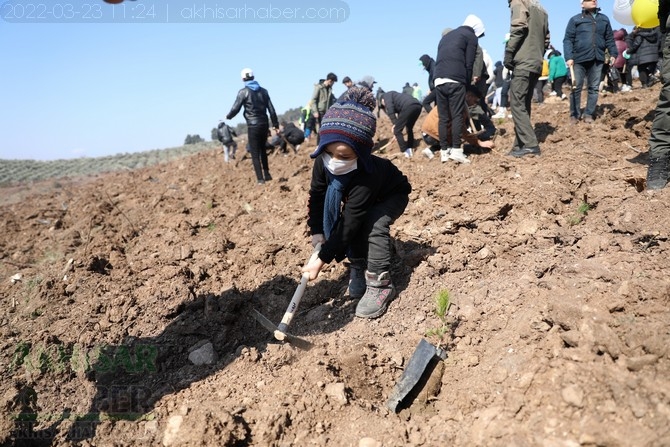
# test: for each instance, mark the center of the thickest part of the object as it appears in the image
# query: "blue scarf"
(333, 203)
(253, 85)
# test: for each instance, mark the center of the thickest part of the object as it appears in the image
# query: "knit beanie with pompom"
(352, 122)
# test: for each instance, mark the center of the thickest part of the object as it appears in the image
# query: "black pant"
(258, 135)
(645, 71)
(373, 241)
(406, 120)
(504, 93)
(450, 107)
(557, 85)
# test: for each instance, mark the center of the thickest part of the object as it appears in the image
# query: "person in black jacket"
(257, 105)
(429, 65)
(354, 198)
(453, 72)
(290, 134)
(403, 110)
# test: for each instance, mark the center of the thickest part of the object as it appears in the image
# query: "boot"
(357, 284)
(378, 295)
(658, 172)
(458, 156)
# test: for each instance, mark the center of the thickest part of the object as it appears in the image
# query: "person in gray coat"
(644, 46)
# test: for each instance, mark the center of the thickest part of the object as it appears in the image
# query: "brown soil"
(558, 330)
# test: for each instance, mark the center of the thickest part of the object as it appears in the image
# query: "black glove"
(508, 61)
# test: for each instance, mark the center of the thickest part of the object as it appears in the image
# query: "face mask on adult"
(339, 167)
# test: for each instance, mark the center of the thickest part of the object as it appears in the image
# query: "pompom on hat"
(352, 122)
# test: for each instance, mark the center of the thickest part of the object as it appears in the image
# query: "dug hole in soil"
(115, 288)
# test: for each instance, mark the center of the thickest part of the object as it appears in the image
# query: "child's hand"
(313, 268)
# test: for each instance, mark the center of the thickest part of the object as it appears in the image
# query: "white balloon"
(622, 12)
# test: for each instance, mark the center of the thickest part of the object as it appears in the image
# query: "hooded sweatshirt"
(429, 65)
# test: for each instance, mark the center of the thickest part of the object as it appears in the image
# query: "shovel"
(572, 78)
(281, 332)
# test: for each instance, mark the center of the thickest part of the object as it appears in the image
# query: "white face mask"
(339, 167)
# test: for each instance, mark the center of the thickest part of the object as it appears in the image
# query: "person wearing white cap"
(524, 51)
(257, 105)
(453, 72)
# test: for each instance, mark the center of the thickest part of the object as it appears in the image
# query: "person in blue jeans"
(587, 35)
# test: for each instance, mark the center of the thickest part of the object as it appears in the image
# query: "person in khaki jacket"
(322, 99)
(524, 51)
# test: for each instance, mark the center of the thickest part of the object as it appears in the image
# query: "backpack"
(224, 133)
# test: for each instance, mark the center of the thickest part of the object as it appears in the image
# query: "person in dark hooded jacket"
(645, 45)
(429, 65)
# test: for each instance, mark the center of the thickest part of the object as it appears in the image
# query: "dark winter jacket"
(620, 41)
(586, 38)
(498, 74)
(395, 102)
(293, 134)
(456, 55)
(363, 191)
(225, 133)
(529, 36)
(257, 104)
(645, 45)
(429, 65)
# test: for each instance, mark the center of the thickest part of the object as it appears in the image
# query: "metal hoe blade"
(280, 335)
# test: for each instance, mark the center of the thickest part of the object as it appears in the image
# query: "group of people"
(355, 196)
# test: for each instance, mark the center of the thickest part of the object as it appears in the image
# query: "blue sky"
(86, 88)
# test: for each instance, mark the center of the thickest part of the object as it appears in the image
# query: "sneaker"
(378, 294)
(444, 155)
(501, 114)
(260, 182)
(428, 153)
(520, 152)
(553, 93)
(588, 119)
(564, 96)
(626, 88)
(574, 120)
(357, 285)
(268, 177)
(458, 156)
(408, 153)
(658, 172)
